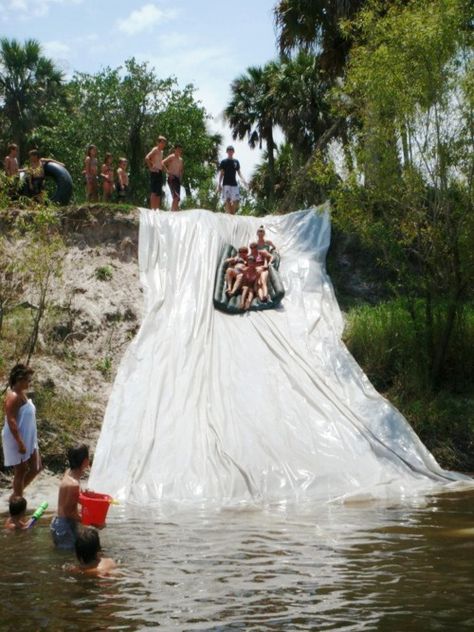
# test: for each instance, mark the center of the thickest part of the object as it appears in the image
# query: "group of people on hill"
(113, 180)
(247, 271)
(34, 180)
(20, 451)
(173, 168)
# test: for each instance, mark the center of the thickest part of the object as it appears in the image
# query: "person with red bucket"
(64, 526)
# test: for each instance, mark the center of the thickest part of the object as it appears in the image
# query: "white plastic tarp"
(260, 407)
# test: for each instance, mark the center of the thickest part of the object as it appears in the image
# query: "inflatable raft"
(231, 304)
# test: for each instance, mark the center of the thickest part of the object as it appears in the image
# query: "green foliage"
(30, 87)
(122, 111)
(383, 338)
(103, 273)
(410, 196)
(104, 365)
(62, 422)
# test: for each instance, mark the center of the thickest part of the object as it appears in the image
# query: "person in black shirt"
(228, 185)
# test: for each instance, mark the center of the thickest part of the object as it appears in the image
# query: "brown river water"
(369, 566)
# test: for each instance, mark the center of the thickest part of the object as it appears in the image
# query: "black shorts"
(156, 182)
(174, 184)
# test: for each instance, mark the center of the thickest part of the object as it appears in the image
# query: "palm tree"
(315, 25)
(302, 105)
(250, 112)
(29, 82)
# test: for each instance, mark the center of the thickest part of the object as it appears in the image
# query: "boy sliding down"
(249, 283)
(64, 526)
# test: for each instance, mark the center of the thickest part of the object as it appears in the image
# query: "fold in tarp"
(259, 407)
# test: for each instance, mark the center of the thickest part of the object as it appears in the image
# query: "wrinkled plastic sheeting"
(259, 407)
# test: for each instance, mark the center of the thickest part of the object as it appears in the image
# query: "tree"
(29, 83)
(250, 112)
(409, 82)
(123, 110)
(316, 26)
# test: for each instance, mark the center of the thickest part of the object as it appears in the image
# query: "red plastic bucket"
(94, 507)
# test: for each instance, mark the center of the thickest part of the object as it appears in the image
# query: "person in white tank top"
(19, 434)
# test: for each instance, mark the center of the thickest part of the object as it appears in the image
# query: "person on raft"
(262, 243)
(249, 283)
(263, 259)
(233, 275)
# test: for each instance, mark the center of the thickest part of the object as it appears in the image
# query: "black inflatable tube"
(63, 180)
(232, 305)
(61, 176)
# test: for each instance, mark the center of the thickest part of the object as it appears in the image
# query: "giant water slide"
(260, 407)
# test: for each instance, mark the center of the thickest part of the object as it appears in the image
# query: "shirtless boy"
(107, 175)
(64, 526)
(90, 172)
(174, 167)
(154, 161)
(249, 283)
(88, 553)
(11, 161)
(122, 179)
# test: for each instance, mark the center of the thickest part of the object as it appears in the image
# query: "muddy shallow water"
(328, 567)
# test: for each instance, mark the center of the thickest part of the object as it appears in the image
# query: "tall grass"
(385, 340)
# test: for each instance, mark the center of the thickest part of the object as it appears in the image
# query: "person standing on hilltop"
(173, 164)
(154, 161)
(91, 173)
(11, 161)
(228, 170)
(19, 434)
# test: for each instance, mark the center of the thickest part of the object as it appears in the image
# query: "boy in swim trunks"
(154, 161)
(174, 167)
(122, 179)
(64, 526)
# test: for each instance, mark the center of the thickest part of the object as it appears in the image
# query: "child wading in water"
(16, 520)
(90, 172)
(88, 554)
(107, 174)
(64, 526)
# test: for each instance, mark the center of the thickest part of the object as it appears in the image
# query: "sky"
(206, 43)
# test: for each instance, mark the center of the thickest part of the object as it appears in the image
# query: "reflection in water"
(359, 567)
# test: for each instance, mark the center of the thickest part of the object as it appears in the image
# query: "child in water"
(88, 553)
(64, 526)
(16, 520)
